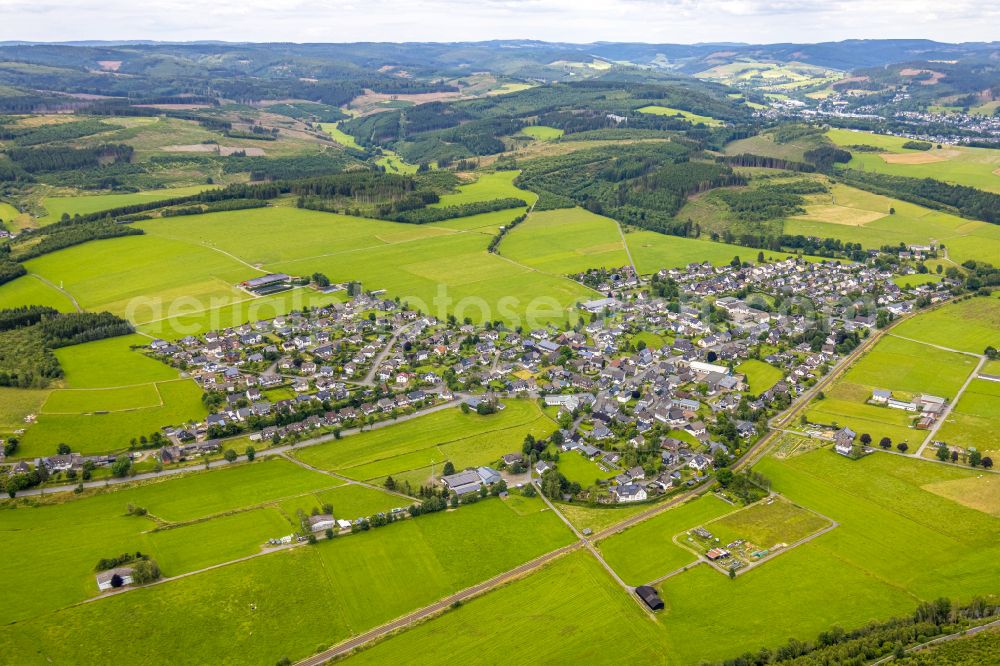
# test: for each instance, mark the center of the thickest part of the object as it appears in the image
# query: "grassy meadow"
(686, 115)
(29, 290)
(904, 367)
(542, 132)
(409, 450)
(566, 241)
(760, 375)
(970, 325)
(585, 622)
(857, 216)
(647, 551)
(56, 206)
(974, 167)
(290, 602)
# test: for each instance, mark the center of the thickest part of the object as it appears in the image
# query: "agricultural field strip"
(949, 407)
(155, 386)
(527, 421)
(436, 608)
(347, 480)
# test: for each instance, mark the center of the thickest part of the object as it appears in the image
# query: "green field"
(29, 290)
(566, 241)
(111, 363)
(92, 203)
(17, 403)
(89, 433)
(242, 312)
(653, 251)
(408, 450)
(144, 277)
(686, 115)
(80, 401)
(76, 533)
(287, 603)
(975, 167)
(970, 325)
(647, 551)
(542, 132)
(767, 523)
(587, 621)
(488, 186)
(904, 367)
(857, 216)
(897, 544)
(760, 375)
(975, 419)
(584, 471)
(349, 501)
(340, 136)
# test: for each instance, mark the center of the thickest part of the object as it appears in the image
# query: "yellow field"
(981, 494)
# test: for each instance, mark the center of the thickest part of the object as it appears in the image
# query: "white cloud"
(681, 21)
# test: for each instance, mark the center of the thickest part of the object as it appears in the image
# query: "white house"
(629, 492)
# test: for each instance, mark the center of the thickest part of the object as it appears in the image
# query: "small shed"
(650, 597)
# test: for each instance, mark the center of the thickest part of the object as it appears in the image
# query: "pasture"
(88, 430)
(974, 167)
(767, 523)
(108, 275)
(975, 419)
(341, 137)
(542, 132)
(349, 501)
(16, 403)
(75, 532)
(56, 206)
(647, 551)
(241, 312)
(300, 598)
(760, 375)
(856, 216)
(686, 115)
(584, 471)
(970, 325)
(566, 241)
(29, 290)
(409, 450)
(938, 547)
(587, 621)
(111, 363)
(486, 187)
(904, 367)
(653, 251)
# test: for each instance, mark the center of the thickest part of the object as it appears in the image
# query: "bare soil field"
(926, 157)
(225, 151)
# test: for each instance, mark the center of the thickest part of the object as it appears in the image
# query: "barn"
(650, 597)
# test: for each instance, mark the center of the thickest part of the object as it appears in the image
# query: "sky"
(580, 21)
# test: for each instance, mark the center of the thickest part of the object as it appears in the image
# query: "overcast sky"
(679, 21)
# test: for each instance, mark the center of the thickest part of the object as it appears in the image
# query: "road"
(277, 450)
(370, 377)
(947, 408)
(628, 253)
